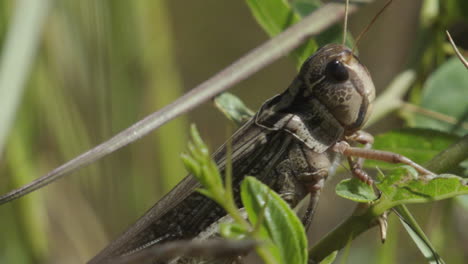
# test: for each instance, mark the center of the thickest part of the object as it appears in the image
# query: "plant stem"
(342, 234)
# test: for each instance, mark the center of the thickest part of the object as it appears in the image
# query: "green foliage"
(445, 92)
(404, 186)
(330, 258)
(355, 190)
(199, 163)
(305, 7)
(275, 16)
(332, 35)
(267, 210)
(420, 145)
(233, 108)
(233, 230)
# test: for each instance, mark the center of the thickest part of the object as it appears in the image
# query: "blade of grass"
(18, 53)
(418, 236)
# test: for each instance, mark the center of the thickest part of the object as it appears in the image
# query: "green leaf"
(233, 231)
(267, 210)
(402, 187)
(418, 236)
(305, 7)
(420, 145)
(190, 164)
(198, 162)
(334, 34)
(199, 144)
(445, 92)
(233, 108)
(355, 190)
(330, 258)
(275, 16)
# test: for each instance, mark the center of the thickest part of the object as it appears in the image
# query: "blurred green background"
(102, 65)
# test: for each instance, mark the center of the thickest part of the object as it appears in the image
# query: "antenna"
(345, 26)
(370, 24)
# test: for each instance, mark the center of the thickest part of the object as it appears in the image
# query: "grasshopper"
(288, 144)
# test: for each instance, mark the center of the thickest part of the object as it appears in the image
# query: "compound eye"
(337, 71)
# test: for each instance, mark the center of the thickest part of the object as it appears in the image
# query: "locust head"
(335, 77)
(330, 98)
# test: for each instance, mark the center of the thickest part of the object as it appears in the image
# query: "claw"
(383, 225)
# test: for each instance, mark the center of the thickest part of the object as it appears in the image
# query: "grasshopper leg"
(303, 172)
(364, 138)
(344, 148)
(367, 140)
(314, 178)
(358, 172)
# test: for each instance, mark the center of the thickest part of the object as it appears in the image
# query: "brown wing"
(183, 212)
